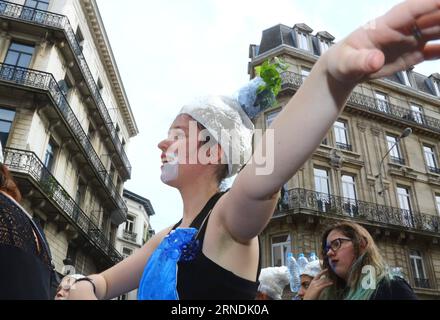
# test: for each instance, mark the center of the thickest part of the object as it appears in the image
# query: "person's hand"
(393, 42)
(316, 286)
(64, 288)
(69, 290)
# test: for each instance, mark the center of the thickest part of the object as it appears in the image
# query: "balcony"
(397, 160)
(434, 170)
(292, 81)
(45, 82)
(26, 164)
(301, 201)
(344, 146)
(129, 235)
(20, 12)
(45, 19)
(422, 283)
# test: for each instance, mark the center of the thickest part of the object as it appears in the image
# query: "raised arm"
(393, 42)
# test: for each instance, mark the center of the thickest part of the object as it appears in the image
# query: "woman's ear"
(363, 243)
(211, 152)
(214, 151)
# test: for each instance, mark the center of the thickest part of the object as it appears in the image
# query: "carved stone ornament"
(336, 159)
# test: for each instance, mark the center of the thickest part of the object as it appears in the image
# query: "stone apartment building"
(136, 230)
(65, 125)
(366, 169)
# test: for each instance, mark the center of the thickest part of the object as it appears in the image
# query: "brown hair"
(366, 253)
(222, 170)
(7, 183)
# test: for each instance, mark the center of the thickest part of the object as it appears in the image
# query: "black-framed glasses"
(335, 245)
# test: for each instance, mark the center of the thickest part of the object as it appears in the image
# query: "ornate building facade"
(369, 168)
(65, 124)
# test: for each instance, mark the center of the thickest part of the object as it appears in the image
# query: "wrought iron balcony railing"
(128, 235)
(398, 160)
(291, 80)
(344, 146)
(330, 205)
(434, 170)
(20, 12)
(422, 283)
(53, 20)
(45, 81)
(27, 162)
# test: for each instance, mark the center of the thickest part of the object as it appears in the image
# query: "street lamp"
(404, 134)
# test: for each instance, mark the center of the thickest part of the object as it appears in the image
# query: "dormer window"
(436, 88)
(303, 32)
(325, 40)
(433, 83)
(303, 41)
(323, 45)
(405, 78)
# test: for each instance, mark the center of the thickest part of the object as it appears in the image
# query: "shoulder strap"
(176, 225)
(199, 221)
(200, 218)
(259, 258)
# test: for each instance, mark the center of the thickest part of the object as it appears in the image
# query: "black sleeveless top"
(203, 279)
(25, 271)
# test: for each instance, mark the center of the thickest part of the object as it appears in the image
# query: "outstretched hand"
(393, 42)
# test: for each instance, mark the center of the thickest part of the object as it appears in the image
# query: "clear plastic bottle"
(312, 256)
(293, 267)
(397, 272)
(302, 262)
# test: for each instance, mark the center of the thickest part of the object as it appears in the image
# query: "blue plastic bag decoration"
(159, 280)
(260, 93)
(247, 97)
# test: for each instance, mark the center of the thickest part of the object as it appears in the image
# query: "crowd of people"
(347, 250)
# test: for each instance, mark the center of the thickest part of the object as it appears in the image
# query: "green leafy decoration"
(270, 73)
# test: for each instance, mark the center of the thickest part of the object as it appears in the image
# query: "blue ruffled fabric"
(159, 280)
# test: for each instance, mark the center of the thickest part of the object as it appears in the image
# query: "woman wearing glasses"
(354, 269)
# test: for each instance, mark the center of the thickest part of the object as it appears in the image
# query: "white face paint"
(170, 169)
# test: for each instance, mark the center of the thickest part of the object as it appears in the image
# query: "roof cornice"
(102, 43)
(141, 200)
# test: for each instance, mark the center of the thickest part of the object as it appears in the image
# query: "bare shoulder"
(154, 241)
(239, 257)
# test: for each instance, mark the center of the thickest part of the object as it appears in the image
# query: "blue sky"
(170, 51)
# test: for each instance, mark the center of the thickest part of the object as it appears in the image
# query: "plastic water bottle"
(302, 262)
(293, 267)
(312, 256)
(397, 272)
